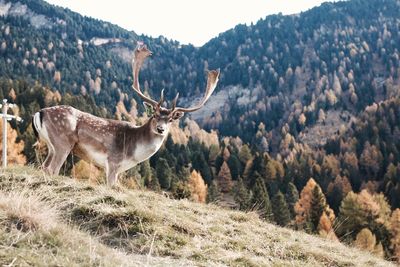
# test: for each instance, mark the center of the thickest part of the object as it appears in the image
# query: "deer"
(116, 146)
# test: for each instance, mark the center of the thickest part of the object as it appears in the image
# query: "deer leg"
(49, 158)
(112, 174)
(58, 160)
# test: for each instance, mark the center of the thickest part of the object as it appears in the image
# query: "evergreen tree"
(164, 173)
(234, 166)
(318, 205)
(213, 194)
(241, 195)
(145, 172)
(292, 196)
(280, 209)
(261, 199)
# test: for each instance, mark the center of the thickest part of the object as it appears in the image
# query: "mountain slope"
(273, 72)
(58, 220)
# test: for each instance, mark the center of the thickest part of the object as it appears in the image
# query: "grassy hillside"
(59, 221)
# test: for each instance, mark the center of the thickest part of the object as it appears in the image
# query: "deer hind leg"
(57, 160)
(41, 131)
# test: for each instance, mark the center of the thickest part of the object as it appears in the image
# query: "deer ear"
(177, 115)
(149, 109)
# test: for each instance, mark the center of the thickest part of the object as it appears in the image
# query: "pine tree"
(280, 209)
(245, 154)
(234, 166)
(213, 194)
(292, 196)
(318, 205)
(261, 198)
(145, 172)
(225, 178)
(241, 195)
(164, 173)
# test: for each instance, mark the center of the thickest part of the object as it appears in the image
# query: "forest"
(307, 133)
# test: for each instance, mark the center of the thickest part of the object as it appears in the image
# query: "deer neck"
(150, 142)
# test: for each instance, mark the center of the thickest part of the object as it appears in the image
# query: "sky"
(186, 21)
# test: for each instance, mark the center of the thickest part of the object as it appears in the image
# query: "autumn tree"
(337, 190)
(225, 178)
(197, 187)
(280, 209)
(395, 232)
(311, 205)
(14, 149)
(86, 171)
(366, 240)
(365, 210)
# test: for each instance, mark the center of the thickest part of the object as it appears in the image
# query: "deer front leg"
(112, 174)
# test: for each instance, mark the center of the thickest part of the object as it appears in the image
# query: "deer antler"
(212, 81)
(140, 55)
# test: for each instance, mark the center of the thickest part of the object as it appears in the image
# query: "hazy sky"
(195, 21)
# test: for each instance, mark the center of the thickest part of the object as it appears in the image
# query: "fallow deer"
(114, 145)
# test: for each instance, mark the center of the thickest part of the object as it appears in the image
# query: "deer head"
(162, 116)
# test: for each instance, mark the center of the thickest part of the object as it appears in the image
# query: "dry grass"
(66, 222)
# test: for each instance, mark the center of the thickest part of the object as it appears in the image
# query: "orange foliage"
(395, 231)
(87, 171)
(197, 187)
(303, 206)
(225, 178)
(14, 149)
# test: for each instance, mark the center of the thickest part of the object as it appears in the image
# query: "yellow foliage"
(197, 187)
(87, 171)
(366, 240)
(14, 149)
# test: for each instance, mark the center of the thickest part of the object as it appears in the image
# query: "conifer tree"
(280, 209)
(261, 198)
(213, 194)
(234, 166)
(292, 196)
(225, 178)
(311, 205)
(241, 195)
(245, 154)
(164, 173)
(145, 172)
(318, 205)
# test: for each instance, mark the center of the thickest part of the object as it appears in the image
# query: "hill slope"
(60, 221)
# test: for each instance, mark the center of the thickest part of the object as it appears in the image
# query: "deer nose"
(160, 129)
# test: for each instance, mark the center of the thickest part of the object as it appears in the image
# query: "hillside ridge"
(43, 216)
